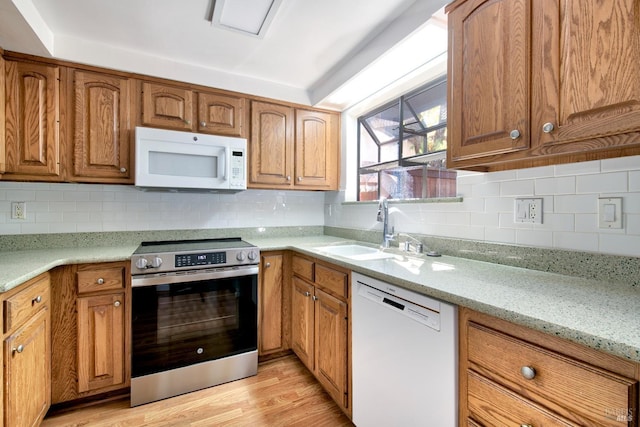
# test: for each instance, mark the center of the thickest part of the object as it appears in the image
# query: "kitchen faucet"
(383, 217)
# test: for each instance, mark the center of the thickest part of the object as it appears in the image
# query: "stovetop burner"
(191, 245)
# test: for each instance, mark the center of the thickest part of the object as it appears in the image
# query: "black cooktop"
(169, 246)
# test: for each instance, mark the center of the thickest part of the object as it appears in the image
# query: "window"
(402, 147)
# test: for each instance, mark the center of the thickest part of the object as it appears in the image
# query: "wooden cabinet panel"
(564, 383)
(302, 321)
(3, 117)
(102, 133)
(489, 78)
(555, 71)
(303, 267)
(272, 307)
(556, 377)
(585, 84)
(167, 106)
(91, 279)
(317, 148)
(271, 147)
(488, 400)
(27, 384)
(331, 345)
(32, 117)
(26, 303)
(336, 282)
(100, 341)
(222, 114)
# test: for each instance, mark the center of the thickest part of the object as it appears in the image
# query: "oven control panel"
(209, 258)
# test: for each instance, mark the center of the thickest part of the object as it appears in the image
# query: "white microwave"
(186, 161)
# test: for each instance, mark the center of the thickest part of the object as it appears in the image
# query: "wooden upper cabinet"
(489, 78)
(302, 155)
(32, 117)
(317, 136)
(167, 106)
(555, 76)
(271, 146)
(587, 85)
(102, 133)
(222, 114)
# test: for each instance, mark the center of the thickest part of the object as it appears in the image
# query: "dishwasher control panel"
(428, 316)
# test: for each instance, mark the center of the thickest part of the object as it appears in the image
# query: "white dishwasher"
(404, 357)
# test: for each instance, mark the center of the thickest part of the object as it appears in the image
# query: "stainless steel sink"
(355, 252)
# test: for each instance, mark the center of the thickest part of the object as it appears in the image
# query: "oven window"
(181, 324)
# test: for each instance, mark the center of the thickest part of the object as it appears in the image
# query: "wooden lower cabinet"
(27, 353)
(90, 328)
(319, 325)
(511, 375)
(273, 305)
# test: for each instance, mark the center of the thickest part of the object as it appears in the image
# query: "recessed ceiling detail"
(251, 17)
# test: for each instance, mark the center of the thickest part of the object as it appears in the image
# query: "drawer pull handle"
(37, 300)
(528, 372)
(100, 281)
(18, 349)
(116, 304)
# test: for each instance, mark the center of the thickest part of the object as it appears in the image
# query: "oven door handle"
(181, 277)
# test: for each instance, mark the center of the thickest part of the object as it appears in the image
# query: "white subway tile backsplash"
(551, 186)
(578, 168)
(538, 172)
(500, 235)
(621, 164)
(632, 224)
(586, 223)
(517, 188)
(534, 238)
(576, 241)
(620, 244)
(613, 182)
(634, 181)
(576, 204)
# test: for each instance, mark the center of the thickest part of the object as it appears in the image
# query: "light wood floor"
(284, 393)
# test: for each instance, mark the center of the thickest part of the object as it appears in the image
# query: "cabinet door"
(167, 106)
(221, 114)
(302, 321)
(27, 372)
(489, 70)
(32, 115)
(331, 345)
(586, 88)
(101, 144)
(317, 146)
(271, 147)
(271, 304)
(101, 338)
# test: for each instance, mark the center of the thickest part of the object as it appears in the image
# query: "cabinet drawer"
(557, 380)
(26, 303)
(100, 279)
(332, 280)
(493, 405)
(303, 267)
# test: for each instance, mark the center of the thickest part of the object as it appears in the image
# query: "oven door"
(187, 318)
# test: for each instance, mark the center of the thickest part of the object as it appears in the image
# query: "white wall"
(68, 208)
(570, 201)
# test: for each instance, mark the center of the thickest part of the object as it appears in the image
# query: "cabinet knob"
(100, 281)
(116, 304)
(526, 425)
(515, 134)
(547, 127)
(123, 170)
(18, 349)
(288, 177)
(306, 294)
(528, 372)
(37, 300)
(267, 264)
(203, 124)
(315, 298)
(299, 179)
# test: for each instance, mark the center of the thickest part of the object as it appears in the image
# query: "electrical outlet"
(528, 211)
(18, 210)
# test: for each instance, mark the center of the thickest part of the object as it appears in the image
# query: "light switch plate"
(610, 212)
(528, 210)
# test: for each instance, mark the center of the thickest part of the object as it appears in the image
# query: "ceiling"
(310, 49)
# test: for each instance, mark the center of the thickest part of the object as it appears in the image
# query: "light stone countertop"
(597, 314)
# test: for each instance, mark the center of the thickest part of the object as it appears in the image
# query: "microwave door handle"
(223, 164)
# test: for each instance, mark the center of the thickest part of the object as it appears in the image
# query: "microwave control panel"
(237, 168)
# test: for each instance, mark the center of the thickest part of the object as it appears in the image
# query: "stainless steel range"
(194, 316)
